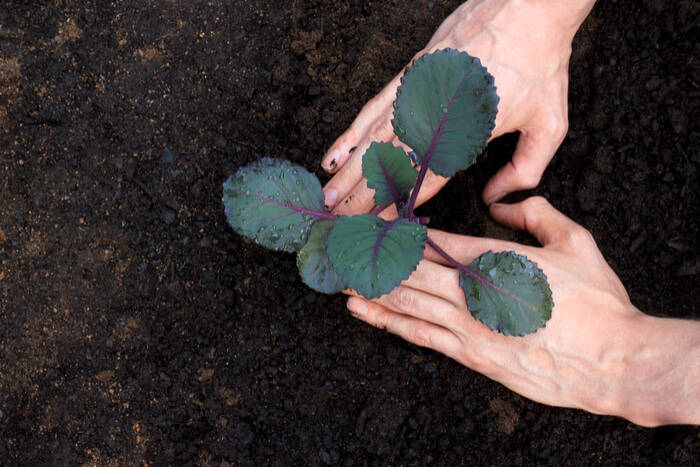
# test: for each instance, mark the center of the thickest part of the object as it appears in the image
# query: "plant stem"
(378, 209)
(472, 274)
(457, 264)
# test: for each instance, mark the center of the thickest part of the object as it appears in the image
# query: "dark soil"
(136, 326)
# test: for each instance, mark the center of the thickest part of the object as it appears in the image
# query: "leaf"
(372, 255)
(389, 171)
(507, 292)
(445, 110)
(274, 203)
(314, 265)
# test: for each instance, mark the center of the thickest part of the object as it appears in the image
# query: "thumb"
(535, 215)
(533, 153)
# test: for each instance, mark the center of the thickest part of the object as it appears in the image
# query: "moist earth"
(137, 327)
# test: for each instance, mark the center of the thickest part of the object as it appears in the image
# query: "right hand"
(526, 46)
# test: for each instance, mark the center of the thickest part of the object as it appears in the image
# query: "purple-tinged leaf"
(389, 171)
(445, 110)
(315, 267)
(372, 255)
(274, 203)
(507, 292)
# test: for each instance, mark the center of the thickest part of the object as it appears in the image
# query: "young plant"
(445, 110)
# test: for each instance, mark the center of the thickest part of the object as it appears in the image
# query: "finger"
(432, 183)
(413, 330)
(466, 249)
(435, 279)
(350, 175)
(533, 153)
(425, 306)
(536, 216)
(360, 199)
(372, 115)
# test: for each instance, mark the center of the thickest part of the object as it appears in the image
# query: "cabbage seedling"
(445, 111)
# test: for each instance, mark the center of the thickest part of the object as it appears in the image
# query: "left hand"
(526, 47)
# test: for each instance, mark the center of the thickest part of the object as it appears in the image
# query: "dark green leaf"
(315, 267)
(274, 202)
(372, 255)
(389, 171)
(507, 292)
(445, 110)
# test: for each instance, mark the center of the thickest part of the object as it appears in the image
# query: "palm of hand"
(528, 56)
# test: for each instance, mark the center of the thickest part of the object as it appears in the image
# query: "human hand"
(597, 352)
(526, 46)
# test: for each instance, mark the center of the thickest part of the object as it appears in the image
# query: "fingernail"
(496, 197)
(331, 197)
(331, 161)
(357, 306)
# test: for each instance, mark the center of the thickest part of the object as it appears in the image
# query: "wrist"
(567, 15)
(660, 379)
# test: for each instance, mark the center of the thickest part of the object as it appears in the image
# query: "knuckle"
(382, 130)
(534, 202)
(403, 299)
(556, 126)
(527, 178)
(481, 364)
(561, 128)
(420, 336)
(581, 237)
(383, 321)
(531, 179)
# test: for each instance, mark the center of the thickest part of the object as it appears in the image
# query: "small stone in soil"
(168, 156)
(168, 216)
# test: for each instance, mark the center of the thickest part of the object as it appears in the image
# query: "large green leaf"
(507, 292)
(389, 171)
(274, 202)
(445, 110)
(372, 255)
(314, 265)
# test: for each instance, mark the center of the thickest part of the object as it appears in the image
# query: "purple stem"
(472, 274)
(378, 209)
(320, 215)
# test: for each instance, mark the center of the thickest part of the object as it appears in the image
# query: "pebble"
(105, 376)
(168, 216)
(168, 156)
(690, 267)
(639, 241)
(221, 143)
(678, 120)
